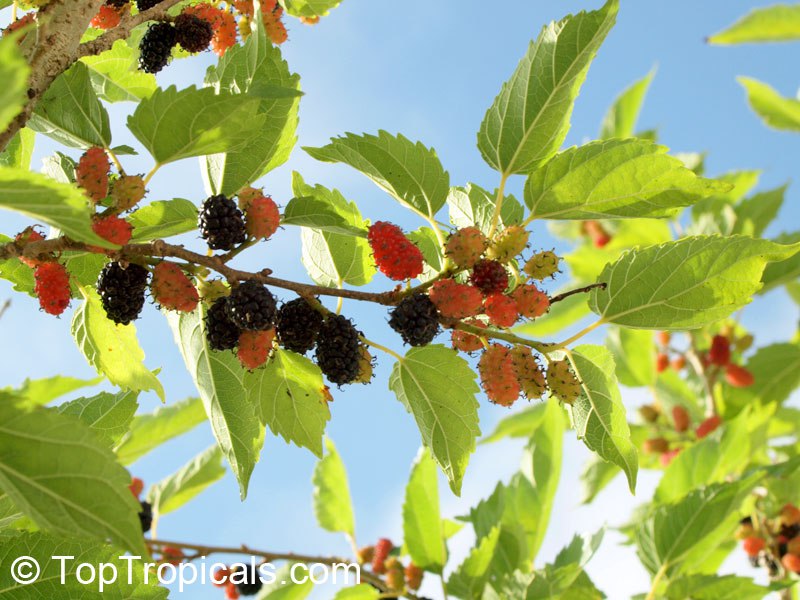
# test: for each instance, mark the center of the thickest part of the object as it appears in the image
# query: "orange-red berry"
(465, 341)
(720, 351)
(753, 545)
(395, 255)
(382, 549)
(680, 417)
(466, 246)
(113, 229)
(529, 374)
(52, 287)
(136, 487)
(738, 376)
(172, 289)
(456, 300)
(498, 377)
(501, 310)
(531, 301)
(28, 236)
(91, 173)
(254, 348)
(791, 562)
(708, 426)
(662, 363)
(413, 576)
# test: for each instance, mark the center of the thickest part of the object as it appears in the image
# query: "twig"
(582, 290)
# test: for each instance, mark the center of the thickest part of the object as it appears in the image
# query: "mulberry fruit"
(489, 276)
(466, 246)
(681, 419)
(382, 550)
(156, 46)
(655, 446)
(172, 289)
(252, 306)
(753, 545)
(254, 348)
(136, 487)
(146, 516)
(52, 287)
(221, 332)
(708, 426)
(107, 17)
(113, 229)
(456, 300)
(222, 22)
(365, 366)
(127, 191)
(395, 255)
(738, 376)
(92, 173)
(275, 29)
(193, 33)
(509, 244)
(298, 324)
(720, 351)
(497, 375)
(247, 580)
(663, 338)
(501, 310)
(466, 341)
(529, 374)
(542, 265)
(262, 216)
(791, 562)
(146, 4)
(413, 576)
(338, 353)
(531, 301)
(597, 233)
(122, 291)
(562, 381)
(221, 223)
(416, 320)
(662, 362)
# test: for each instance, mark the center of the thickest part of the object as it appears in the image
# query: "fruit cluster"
(717, 359)
(670, 434)
(773, 543)
(384, 559)
(146, 513)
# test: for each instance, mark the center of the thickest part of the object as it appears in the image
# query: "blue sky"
(429, 70)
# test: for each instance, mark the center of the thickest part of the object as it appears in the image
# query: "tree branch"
(581, 290)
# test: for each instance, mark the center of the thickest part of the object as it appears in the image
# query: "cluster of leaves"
(614, 198)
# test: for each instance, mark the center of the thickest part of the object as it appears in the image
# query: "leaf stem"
(152, 172)
(651, 595)
(498, 205)
(444, 587)
(115, 160)
(382, 348)
(578, 335)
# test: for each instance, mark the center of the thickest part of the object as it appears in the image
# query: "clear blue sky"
(430, 70)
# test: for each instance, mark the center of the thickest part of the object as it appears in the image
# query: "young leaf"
(42, 456)
(108, 415)
(634, 354)
(19, 151)
(220, 379)
(754, 214)
(701, 519)
(529, 119)
(598, 415)
(426, 239)
(407, 171)
(162, 219)
(115, 75)
(422, 522)
(615, 179)
(195, 476)
(14, 75)
(71, 113)
(174, 124)
(620, 120)
(438, 387)
(59, 205)
(471, 576)
(289, 394)
(776, 369)
(567, 312)
(333, 259)
(473, 205)
(43, 391)
(777, 23)
(332, 504)
(566, 572)
(309, 8)
(243, 69)
(783, 272)
(283, 588)
(45, 547)
(775, 110)
(149, 431)
(319, 215)
(596, 475)
(102, 342)
(684, 284)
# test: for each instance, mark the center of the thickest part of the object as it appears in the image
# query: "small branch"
(708, 382)
(578, 335)
(498, 205)
(583, 290)
(498, 335)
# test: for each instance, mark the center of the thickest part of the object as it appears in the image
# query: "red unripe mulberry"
(395, 255)
(113, 229)
(254, 348)
(262, 216)
(28, 236)
(680, 417)
(456, 300)
(708, 426)
(738, 376)
(468, 342)
(720, 351)
(662, 362)
(52, 287)
(107, 17)
(172, 289)
(753, 545)
(531, 301)
(499, 380)
(501, 310)
(382, 549)
(92, 173)
(466, 246)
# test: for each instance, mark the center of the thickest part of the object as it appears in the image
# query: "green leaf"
(408, 171)
(243, 69)
(785, 271)
(71, 113)
(422, 521)
(61, 168)
(289, 394)
(520, 424)
(754, 214)
(149, 431)
(473, 205)
(116, 77)
(43, 547)
(309, 8)
(684, 284)
(103, 342)
(362, 591)
(230, 407)
(615, 179)
(426, 239)
(438, 387)
(19, 151)
(635, 356)
(174, 124)
(44, 391)
(566, 571)
(775, 110)
(471, 576)
(46, 201)
(776, 370)
(283, 588)
(334, 259)
(712, 587)
(319, 215)
(332, 504)
(620, 120)
(699, 521)
(529, 119)
(192, 479)
(561, 315)
(14, 75)
(108, 415)
(42, 456)
(777, 23)
(598, 415)
(162, 219)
